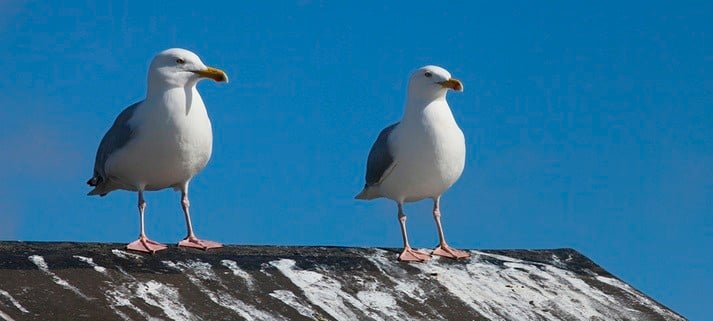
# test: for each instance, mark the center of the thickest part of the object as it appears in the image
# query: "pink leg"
(409, 254)
(443, 249)
(191, 240)
(143, 244)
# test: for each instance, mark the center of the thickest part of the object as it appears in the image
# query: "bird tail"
(368, 193)
(99, 185)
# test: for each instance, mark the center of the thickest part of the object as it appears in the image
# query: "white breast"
(429, 151)
(173, 141)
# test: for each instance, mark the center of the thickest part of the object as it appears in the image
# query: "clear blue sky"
(587, 126)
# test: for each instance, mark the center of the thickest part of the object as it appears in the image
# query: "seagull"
(419, 157)
(160, 142)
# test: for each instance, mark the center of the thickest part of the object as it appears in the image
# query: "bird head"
(432, 82)
(179, 68)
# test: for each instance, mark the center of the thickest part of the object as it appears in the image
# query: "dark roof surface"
(93, 281)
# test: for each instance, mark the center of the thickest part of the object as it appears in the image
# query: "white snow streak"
(120, 296)
(13, 301)
(199, 272)
(5, 317)
(126, 255)
(289, 298)
(91, 263)
(163, 297)
(379, 301)
(42, 265)
(522, 290)
(635, 295)
(319, 290)
(237, 271)
(398, 276)
(327, 293)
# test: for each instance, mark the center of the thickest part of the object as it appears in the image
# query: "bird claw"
(451, 253)
(199, 244)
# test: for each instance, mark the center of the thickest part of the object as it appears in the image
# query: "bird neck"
(186, 97)
(416, 105)
(418, 93)
(158, 85)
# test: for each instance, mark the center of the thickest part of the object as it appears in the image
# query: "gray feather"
(118, 135)
(380, 157)
(378, 165)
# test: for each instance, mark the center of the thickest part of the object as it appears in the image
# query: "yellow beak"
(212, 73)
(453, 83)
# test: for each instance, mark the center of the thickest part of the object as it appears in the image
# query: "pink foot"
(451, 253)
(411, 255)
(143, 244)
(199, 244)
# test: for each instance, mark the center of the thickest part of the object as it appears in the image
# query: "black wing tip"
(94, 181)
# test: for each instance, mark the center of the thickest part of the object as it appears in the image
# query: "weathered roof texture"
(91, 281)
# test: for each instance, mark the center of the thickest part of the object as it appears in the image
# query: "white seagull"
(421, 156)
(160, 142)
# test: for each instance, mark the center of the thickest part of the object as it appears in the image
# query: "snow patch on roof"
(289, 298)
(13, 301)
(5, 316)
(327, 293)
(237, 271)
(91, 263)
(126, 255)
(523, 290)
(42, 265)
(164, 297)
(200, 272)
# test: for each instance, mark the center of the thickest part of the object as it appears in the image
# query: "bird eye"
(180, 61)
(428, 74)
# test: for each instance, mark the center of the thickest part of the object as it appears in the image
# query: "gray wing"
(380, 157)
(118, 135)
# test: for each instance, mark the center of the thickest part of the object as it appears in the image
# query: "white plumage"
(429, 153)
(173, 142)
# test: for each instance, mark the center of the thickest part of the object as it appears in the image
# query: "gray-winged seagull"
(421, 156)
(160, 142)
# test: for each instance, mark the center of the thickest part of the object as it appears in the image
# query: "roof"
(99, 281)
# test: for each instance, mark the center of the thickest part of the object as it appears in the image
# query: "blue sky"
(587, 126)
